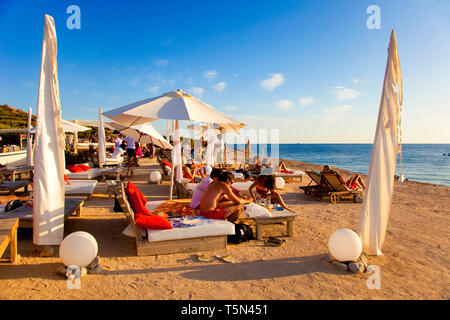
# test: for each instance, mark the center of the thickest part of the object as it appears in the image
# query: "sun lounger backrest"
(127, 210)
(334, 181)
(314, 176)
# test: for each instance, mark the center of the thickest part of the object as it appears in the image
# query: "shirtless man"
(219, 202)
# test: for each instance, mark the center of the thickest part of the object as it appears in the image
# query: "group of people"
(215, 197)
(123, 143)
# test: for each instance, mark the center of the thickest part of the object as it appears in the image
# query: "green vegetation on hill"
(11, 118)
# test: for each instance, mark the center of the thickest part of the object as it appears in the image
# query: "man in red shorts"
(219, 201)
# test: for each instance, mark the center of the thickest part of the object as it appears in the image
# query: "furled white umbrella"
(144, 133)
(29, 143)
(174, 105)
(101, 140)
(380, 185)
(68, 126)
(48, 184)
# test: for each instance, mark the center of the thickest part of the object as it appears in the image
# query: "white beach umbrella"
(101, 139)
(144, 133)
(29, 143)
(48, 182)
(174, 105)
(380, 185)
(219, 127)
(68, 126)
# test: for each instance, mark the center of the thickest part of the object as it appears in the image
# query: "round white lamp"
(279, 183)
(345, 245)
(155, 176)
(78, 249)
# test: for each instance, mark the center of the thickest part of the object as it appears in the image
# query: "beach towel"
(178, 206)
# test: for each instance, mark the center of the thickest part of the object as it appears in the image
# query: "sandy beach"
(414, 265)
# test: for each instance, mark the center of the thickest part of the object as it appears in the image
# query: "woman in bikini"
(264, 186)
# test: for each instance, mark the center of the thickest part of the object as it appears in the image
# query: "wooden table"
(25, 214)
(11, 172)
(8, 235)
(276, 217)
(12, 186)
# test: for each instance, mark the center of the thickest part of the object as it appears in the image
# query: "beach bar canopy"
(144, 133)
(175, 105)
(380, 184)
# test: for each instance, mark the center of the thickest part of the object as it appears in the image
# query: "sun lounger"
(80, 188)
(290, 176)
(8, 236)
(72, 206)
(95, 173)
(314, 185)
(210, 236)
(338, 190)
(12, 186)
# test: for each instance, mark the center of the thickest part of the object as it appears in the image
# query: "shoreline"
(415, 264)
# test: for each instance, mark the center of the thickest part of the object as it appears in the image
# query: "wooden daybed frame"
(147, 248)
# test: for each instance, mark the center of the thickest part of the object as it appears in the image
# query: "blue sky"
(311, 69)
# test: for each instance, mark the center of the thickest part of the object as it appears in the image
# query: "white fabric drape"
(176, 152)
(210, 146)
(48, 185)
(101, 139)
(380, 185)
(29, 143)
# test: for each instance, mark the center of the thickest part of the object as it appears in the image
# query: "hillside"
(11, 118)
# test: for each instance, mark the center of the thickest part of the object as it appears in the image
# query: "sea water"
(420, 162)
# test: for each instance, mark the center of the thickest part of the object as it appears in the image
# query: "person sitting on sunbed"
(213, 175)
(213, 205)
(264, 186)
(355, 182)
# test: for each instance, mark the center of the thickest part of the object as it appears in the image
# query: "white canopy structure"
(144, 133)
(380, 185)
(48, 185)
(174, 105)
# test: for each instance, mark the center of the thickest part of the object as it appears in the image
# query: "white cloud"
(285, 105)
(220, 86)
(210, 75)
(336, 113)
(198, 92)
(160, 62)
(231, 108)
(346, 93)
(153, 90)
(275, 80)
(306, 101)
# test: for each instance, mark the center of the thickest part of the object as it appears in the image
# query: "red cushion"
(152, 221)
(69, 166)
(136, 199)
(66, 179)
(187, 177)
(84, 167)
(167, 163)
(75, 169)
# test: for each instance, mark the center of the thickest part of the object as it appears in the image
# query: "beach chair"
(338, 190)
(314, 185)
(210, 236)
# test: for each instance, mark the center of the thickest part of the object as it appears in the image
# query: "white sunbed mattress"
(90, 174)
(80, 186)
(212, 227)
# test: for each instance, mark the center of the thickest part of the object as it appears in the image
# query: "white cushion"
(253, 210)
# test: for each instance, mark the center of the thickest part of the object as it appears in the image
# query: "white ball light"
(79, 249)
(155, 176)
(279, 183)
(345, 245)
